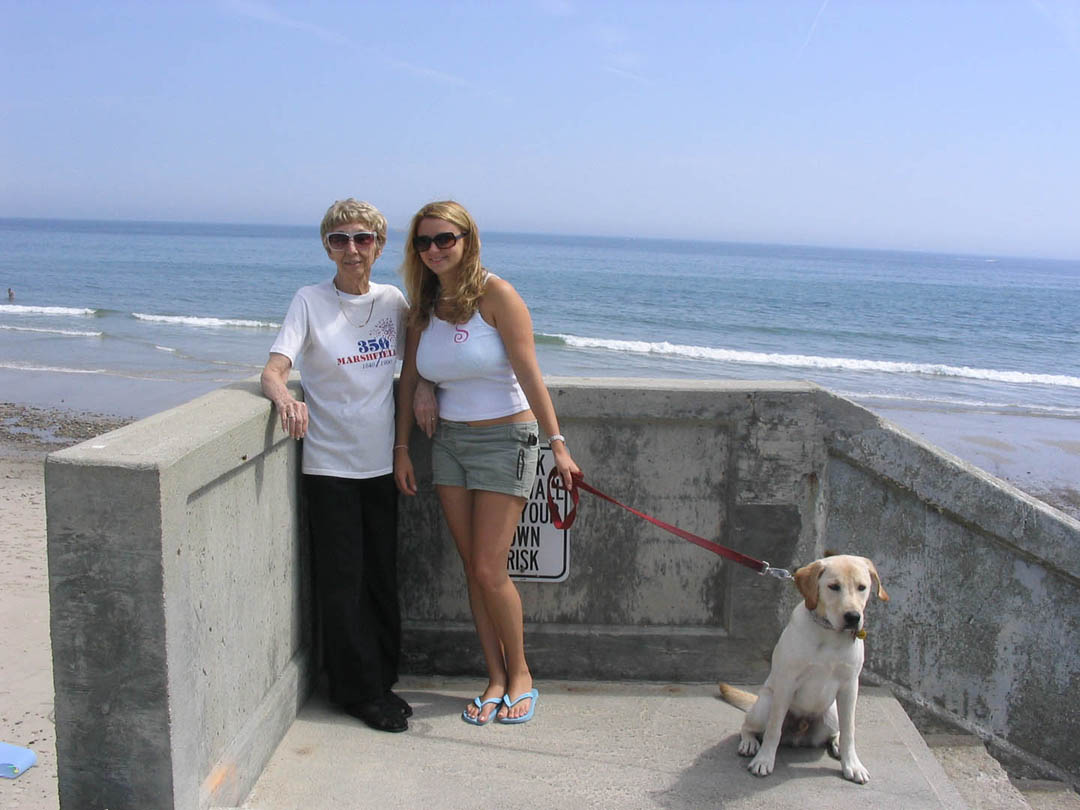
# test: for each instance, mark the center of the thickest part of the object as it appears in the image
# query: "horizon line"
(565, 235)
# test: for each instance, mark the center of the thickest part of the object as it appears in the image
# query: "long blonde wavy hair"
(423, 286)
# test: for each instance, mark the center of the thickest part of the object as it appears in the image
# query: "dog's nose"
(851, 619)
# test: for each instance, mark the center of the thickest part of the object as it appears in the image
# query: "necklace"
(341, 306)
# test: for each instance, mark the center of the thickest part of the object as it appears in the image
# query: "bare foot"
(518, 687)
(493, 693)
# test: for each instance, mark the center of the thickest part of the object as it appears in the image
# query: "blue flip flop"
(476, 721)
(525, 718)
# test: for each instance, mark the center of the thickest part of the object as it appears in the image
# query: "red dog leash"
(555, 482)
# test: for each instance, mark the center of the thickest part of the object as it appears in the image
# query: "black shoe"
(399, 701)
(379, 714)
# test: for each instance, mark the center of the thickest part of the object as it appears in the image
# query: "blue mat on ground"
(14, 760)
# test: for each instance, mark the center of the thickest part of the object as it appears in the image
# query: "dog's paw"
(761, 765)
(854, 771)
(832, 747)
(748, 745)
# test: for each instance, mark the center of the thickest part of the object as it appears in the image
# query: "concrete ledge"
(984, 622)
(1041, 794)
(679, 654)
(978, 777)
(178, 591)
(738, 463)
(591, 745)
(970, 496)
(256, 741)
(179, 576)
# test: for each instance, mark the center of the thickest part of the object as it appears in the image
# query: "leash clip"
(779, 573)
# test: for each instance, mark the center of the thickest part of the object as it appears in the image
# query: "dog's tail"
(736, 697)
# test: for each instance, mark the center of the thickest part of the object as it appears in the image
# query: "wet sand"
(26, 688)
(1039, 455)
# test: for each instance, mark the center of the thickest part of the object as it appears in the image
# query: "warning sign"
(540, 552)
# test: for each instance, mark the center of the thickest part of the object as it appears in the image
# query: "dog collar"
(823, 622)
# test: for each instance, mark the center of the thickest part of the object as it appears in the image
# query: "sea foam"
(66, 332)
(192, 320)
(811, 361)
(19, 309)
(54, 369)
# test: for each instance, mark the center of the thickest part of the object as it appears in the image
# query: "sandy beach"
(26, 688)
(1041, 457)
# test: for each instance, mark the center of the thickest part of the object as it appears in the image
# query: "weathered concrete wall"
(737, 463)
(984, 622)
(178, 586)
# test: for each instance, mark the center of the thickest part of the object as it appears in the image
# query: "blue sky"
(944, 125)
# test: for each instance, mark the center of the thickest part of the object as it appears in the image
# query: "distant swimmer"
(10, 294)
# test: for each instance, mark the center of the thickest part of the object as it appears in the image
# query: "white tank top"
(469, 366)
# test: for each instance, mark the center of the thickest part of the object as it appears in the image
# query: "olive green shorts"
(495, 458)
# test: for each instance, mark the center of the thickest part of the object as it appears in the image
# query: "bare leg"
(458, 504)
(494, 517)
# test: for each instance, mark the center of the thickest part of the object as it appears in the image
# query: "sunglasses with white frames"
(339, 240)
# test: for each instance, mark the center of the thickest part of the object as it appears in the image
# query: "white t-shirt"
(346, 348)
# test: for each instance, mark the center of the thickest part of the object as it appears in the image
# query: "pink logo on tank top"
(460, 335)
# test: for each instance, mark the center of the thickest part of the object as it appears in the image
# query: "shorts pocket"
(526, 433)
(527, 440)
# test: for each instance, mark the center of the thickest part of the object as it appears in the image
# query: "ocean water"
(189, 307)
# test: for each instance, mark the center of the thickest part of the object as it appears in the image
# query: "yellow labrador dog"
(809, 696)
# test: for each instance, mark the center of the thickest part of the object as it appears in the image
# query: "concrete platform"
(591, 745)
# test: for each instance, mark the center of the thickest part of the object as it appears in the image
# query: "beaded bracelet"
(557, 437)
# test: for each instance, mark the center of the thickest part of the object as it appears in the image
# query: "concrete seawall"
(736, 464)
(180, 603)
(984, 625)
(178, 593)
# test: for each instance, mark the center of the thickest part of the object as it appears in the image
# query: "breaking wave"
(665, 348)
(192, 320)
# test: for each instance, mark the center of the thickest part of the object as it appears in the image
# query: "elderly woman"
(470, 333)
(344, 335)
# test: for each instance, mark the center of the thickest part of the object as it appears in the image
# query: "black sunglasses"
(442, 241)
(339, 240)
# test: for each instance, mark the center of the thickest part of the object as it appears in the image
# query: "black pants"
(354, 544)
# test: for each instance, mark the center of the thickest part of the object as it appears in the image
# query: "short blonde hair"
(422, 285)
(349, 211)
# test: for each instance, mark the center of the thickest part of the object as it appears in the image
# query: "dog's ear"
(884, 597)
(806, 580)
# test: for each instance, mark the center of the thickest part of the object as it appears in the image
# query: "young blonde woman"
(469, 332)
